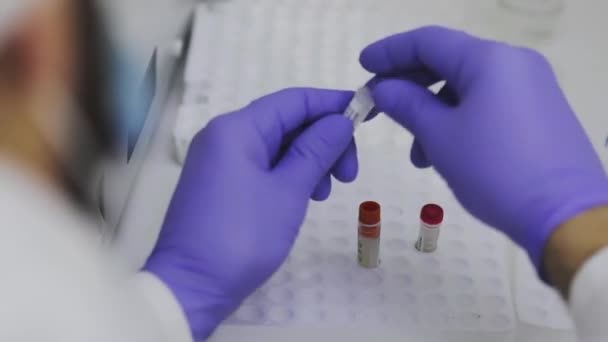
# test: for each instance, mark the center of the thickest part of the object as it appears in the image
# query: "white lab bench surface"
(578, 51)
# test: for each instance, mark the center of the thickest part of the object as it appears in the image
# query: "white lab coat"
(57, 284)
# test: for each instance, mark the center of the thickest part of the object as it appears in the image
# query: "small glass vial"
(368, 251)
(431, 217)
(361, 106)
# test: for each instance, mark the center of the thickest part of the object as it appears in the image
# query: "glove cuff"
(535, 243)
(204, 307)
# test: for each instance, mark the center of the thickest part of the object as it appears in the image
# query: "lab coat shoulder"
(58, 284)
(589, 299)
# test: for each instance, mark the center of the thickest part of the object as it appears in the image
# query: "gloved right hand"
(501, 132)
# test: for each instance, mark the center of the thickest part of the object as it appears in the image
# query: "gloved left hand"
(243, 195)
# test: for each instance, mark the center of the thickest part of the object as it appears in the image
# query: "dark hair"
(93, 98)
(92, 89)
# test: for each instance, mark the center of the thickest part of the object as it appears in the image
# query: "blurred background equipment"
(153, 53)
(529, 22)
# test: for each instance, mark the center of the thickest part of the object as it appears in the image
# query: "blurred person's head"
(54, 110)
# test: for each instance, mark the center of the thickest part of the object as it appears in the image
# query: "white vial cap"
(360, 107)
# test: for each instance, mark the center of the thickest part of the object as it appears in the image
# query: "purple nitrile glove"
(501, 132)
(243, 195)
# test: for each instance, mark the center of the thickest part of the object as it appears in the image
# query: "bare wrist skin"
(572, 244)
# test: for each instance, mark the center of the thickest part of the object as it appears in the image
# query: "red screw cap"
(431, 214)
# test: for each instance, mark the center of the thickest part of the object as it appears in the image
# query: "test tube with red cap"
(431, 217)
(368, 253)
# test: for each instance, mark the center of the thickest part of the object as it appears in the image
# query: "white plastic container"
(529, 22)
